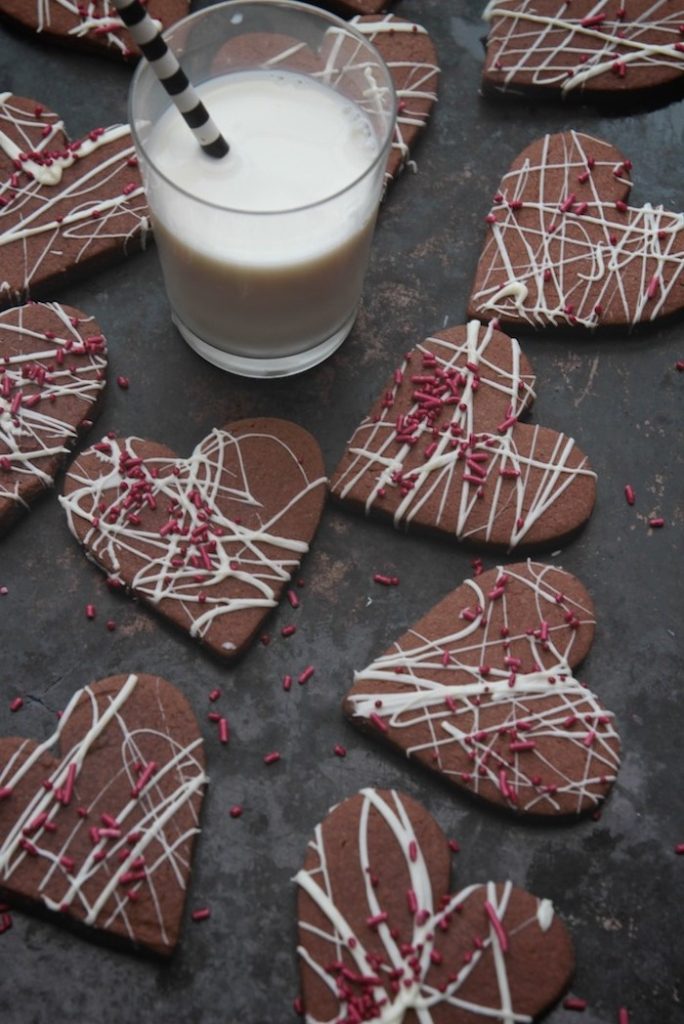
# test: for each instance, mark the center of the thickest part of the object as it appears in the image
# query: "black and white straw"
(171, 75)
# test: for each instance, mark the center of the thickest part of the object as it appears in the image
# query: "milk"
(264, 251)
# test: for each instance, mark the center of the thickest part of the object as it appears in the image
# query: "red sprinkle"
(123, 382)
(386, 581)
(90, 611)
(293, 598)
(235, 811)
(378, 722)
(16, 704)
(656, 523)
(454, 846)
(287, 683)
(288, 630)
(202, 914)
(224, 730)
(272, 757)
(339, 750)
(629, 494)
(306, 675)
(575, 1003)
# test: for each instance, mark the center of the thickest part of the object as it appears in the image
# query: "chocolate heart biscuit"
(53, 362)
(563, 246)
(606, 49)
(209, 541)
(94, 26)
(102, 830)
(381, 937)
(481, 690)
(66, 208)
(443, 449)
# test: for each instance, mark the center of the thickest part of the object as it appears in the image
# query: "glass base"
(268, 366)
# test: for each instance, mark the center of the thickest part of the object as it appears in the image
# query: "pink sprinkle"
(202, 914)
(272, 757)
(123, 382)
(518, 745)
(656, 523)
(454, 846)
(306, 675)
(5, 922)
(589, 738)
(224, 730)
(386, 581)
(214, 694)
(287, 683)
(111, 625)
(503, 785)
(621, 206)
(90, 611)
(413, 851)
(679, 848)
(339, 750)
(574, 1003)
(623, 1015)
(567, 202)
(378, 722)
(592, 20)
(16, 704)
(298, 1006)
(144, 777)
(293, 598)
(412, 901)
(68, 790)
(497, 926)
(288, 630)
(377, 919)
(653, 287)
(679, 365)
(629, 494)
(235, 811)
(5, 791)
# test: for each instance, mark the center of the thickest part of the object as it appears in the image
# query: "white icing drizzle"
(477, 714)
(246, 567)
(415, 991)
(548, 265)
(376, 450)
(99, 880)
(29, 434)
(106, 198)
(570, 48)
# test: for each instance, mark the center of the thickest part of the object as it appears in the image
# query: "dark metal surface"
(617, 880)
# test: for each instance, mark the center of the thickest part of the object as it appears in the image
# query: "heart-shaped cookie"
(94, 26)
(53, 361)
(381, 938)
(442, 449)
(598, 49)
(102, 830)
(412, 60)
(66, 208)
(405, 46)
(564, 247)
(209, 541)
(481, 691)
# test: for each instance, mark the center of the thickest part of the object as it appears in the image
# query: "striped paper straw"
(171, 75)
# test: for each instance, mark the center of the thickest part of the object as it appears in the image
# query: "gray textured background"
(616, 881)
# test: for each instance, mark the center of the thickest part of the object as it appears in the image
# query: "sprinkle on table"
(201, 914)
(272, 757)
(236, 811)
(16, 703)
(575, 1003)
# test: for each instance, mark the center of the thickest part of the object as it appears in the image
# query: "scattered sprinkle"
(306, 675)
(341, 751)
(656, 523)
(16, 704)
(201, 914)
(214, 694)
(293, 598)
(236, 811)
(288, 630)
(629, 494)
(90, 611)
(272, 757)
(575, 1003)
(386, 581)
(123, 382)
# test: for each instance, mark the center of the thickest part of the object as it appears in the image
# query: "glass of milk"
(264, 251)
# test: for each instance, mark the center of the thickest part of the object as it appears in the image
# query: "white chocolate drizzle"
(582, 42)
(539, 741)
(145, 823)
(560, 251)
(443, 477)
(413, 990)
(70, 364)
(228, 567)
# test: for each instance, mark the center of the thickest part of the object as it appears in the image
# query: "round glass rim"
(144, 68)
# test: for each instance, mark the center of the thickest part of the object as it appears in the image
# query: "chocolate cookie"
(209, 541)
(53, 361)
(102, 831)
(412, 60)
(443, 450)
(357, 7)
(563, 247)
(381, 937)
(66, 208)
(604, 49)
(94, 26)
(481, 691)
